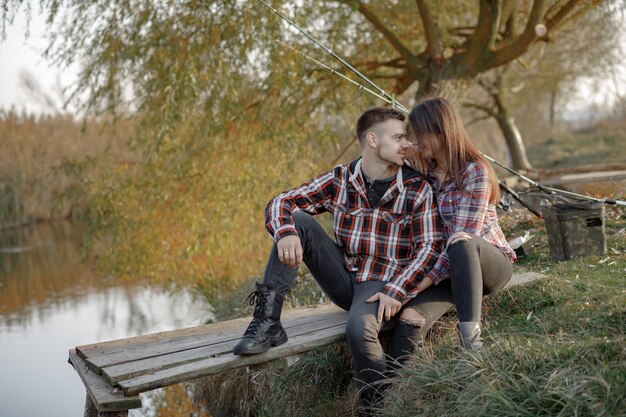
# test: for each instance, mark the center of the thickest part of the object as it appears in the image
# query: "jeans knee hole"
(412, 323)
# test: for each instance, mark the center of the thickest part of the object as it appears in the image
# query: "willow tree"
(226, 117)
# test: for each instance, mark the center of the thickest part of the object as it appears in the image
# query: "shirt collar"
(357, 172)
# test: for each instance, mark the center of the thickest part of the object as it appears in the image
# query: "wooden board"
(211, 366)
(208, 347)
(105, 357)
(103, 396)
(525, 278)
(121, 345)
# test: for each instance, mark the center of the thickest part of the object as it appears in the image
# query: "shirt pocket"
(397, 218)
(348, 224)
(448, 204)
(394, 238)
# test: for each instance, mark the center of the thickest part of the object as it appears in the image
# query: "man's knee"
(304, 223)
(300, 216)
(361, 330)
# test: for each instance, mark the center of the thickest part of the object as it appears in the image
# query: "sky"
(19, 55)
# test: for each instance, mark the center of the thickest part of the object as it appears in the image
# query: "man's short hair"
(374, 116)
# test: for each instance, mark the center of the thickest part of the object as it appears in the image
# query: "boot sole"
(260, 348)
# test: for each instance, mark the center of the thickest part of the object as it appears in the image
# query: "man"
(387, 240)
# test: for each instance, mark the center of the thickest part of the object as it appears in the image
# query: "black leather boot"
(265, 330)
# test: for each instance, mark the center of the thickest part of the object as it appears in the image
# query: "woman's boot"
(469, 334)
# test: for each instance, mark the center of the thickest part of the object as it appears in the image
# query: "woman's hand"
(414, 159)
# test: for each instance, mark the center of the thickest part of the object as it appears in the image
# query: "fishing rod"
(556, 191)
(390, 99)
(333, 71)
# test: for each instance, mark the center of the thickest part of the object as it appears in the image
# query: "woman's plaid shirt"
(468, 211)
(397, 241)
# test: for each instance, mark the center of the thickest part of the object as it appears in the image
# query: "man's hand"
(387, 306)
(290, 250)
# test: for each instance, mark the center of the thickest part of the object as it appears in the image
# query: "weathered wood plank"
(121, 371)
(186, 372)
(92, 411)
(102, 359)
(105, 397)
(140, 343)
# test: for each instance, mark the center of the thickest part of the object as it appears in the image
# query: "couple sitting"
(409, 242)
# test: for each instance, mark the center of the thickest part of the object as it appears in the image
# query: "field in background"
(604, 144)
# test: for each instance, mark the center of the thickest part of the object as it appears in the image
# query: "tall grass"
(548, 353)
(32, 151)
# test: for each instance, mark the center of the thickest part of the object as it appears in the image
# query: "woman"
(477, 259)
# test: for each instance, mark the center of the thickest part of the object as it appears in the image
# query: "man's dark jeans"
(325, 260)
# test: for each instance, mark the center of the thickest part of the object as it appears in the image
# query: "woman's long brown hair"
(436, 119)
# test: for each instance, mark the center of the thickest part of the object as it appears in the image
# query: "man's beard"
(380, 156)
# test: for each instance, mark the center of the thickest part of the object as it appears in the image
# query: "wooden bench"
(116, 372)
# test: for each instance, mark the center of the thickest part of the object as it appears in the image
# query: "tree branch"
(485, 33)
(385, 31)
(431, 31)
(562, 15)
(481, 107)
(513, 48)
(509, 17)
(554, 8)
(369, 65)
(477, 119)
(386, 76)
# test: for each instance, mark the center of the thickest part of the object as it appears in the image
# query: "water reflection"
(50, 302)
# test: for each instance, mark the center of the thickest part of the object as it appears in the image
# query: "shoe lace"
(255, 297)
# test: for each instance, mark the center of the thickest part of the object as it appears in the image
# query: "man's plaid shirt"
(397, 241)
(468, 211)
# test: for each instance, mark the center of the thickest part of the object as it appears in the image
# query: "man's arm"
(313, 197)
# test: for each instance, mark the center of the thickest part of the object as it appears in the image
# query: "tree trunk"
(553, 95)
(512, 135)
(514, 142)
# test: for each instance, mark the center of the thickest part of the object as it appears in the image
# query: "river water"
(51, 302)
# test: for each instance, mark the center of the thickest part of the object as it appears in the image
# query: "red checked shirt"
(467, 211)
(397, 241)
